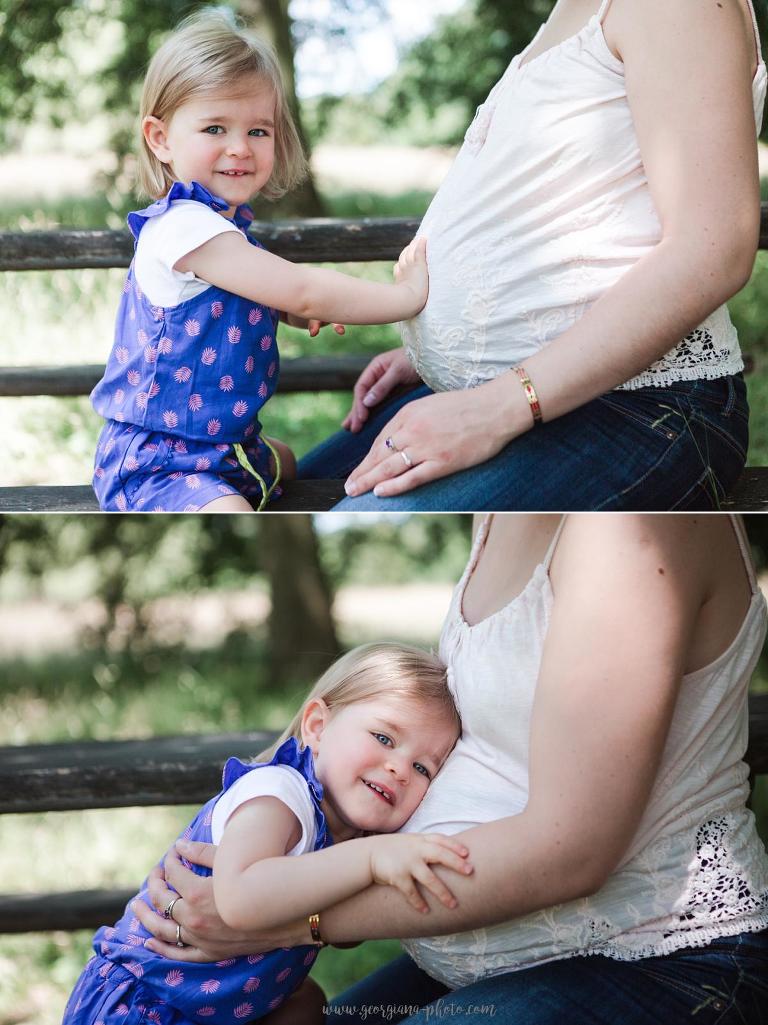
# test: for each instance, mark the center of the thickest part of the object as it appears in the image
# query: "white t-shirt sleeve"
(186, 225)
(280, 781)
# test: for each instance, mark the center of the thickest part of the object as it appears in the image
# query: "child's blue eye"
(213, 129)
(382, 738)
(258, 132)
(422, 769)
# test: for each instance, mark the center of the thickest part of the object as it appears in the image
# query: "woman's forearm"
(667, 294)
(518, 868)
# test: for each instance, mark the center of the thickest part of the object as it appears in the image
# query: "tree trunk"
(302, 636)
(270, 18)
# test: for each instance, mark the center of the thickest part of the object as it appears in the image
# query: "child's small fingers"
(439, 889)
(442, 856)
(447, 841)
(409, 890)
(339, 329)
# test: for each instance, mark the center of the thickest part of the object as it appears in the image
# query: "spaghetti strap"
(603, 10)
(552, 545)
(757, 31)
(741, 537)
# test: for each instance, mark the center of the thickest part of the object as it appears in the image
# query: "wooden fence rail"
(160, 771)
(319, 240)
(329, 240)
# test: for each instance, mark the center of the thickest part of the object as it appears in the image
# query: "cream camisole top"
(545, 208)
(696, 868)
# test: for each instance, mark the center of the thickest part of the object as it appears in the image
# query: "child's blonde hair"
(374, 670)
(209, 51)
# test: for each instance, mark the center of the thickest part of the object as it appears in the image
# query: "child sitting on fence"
(356, 760)
(195, 355)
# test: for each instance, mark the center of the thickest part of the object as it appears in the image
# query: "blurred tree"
(134, 559)
(38, 63)
(302, 635)
(467, 53)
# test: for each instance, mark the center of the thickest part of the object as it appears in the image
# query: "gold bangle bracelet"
(314, 928)
(530, 394)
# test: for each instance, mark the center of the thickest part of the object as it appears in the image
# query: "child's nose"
(400, 769)
(238, 145)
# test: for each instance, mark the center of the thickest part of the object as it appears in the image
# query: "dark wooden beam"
(45, 912)
(120, 773)
(304, 374)
(298, 496)
(321, 240)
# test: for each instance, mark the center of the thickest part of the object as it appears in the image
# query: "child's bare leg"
(228, 503)
(304, 1007)
(287, 460)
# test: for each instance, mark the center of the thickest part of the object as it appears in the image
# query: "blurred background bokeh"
(117, 627)
(383, 90)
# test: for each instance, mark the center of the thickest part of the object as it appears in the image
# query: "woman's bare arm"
(626, 601)
(687, 68)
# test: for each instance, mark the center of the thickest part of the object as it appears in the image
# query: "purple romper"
(126, 984)
(181, 392)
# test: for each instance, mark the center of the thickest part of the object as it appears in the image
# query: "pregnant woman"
(576, 351)
(600, 666)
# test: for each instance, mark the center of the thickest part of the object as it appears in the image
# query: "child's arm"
(312, 293)
(253, 883)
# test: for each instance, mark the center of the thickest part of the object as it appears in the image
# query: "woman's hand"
(402, 860)
(439, 435)
(204, 934)
(383, 374)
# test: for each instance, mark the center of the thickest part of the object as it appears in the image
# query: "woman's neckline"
(477, 551)
(522, 63)
(756, 598)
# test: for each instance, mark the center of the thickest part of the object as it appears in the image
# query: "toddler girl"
(356, 760)
(195, 357)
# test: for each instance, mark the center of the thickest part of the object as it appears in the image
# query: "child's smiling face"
(225, 140)
(376, 759)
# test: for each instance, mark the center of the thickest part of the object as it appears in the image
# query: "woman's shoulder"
(715, 30)
(620, 547)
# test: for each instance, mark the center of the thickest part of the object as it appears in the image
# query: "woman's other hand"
(204, 934)
(383, 374)
(440, 435)
(403, 860)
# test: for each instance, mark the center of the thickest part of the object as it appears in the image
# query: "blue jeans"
(725, 983)
(680, 447)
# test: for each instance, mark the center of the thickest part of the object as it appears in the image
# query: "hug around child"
(307, 825)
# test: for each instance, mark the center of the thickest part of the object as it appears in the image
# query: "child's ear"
(313, 722)
(156, 137)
